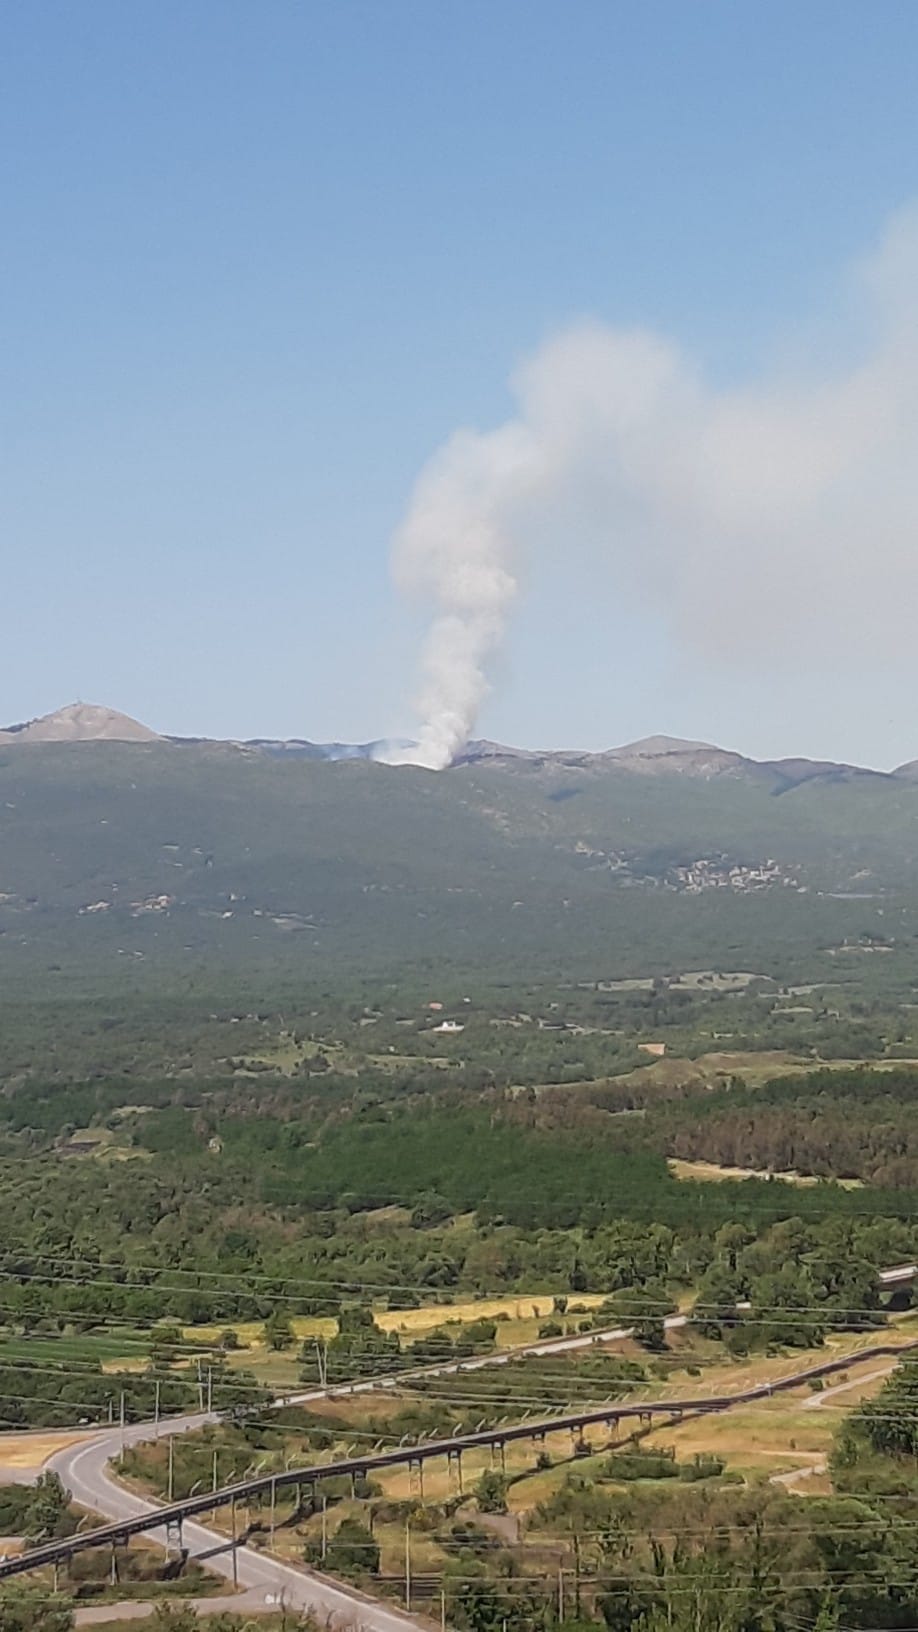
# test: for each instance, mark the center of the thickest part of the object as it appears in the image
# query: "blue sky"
(259, 260)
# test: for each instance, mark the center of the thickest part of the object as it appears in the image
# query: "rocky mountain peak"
(80, 722)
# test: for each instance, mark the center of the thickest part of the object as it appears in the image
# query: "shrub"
(702, 1466)
(352, 1550)
(628, 1465)
(491, 1492)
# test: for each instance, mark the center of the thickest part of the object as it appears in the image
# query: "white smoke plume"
(755, 519)
(455, 547)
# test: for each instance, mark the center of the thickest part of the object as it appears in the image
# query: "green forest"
(312, 1074)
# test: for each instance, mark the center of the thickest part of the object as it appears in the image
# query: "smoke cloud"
(760, 522)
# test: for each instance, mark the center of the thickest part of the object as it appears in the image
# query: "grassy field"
(121, 1350)
(103, 1145)
(287, 1055)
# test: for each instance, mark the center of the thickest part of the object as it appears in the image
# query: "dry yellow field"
(442, 1482)
(711, 1171)
(519, 1308)
(251, 1332)
(33, 1449)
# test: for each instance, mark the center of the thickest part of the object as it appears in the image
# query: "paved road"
(135, 1609)
(83, 1468)
(818, 1400)
(796, 1476)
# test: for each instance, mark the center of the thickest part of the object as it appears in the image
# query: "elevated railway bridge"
(168, 1518)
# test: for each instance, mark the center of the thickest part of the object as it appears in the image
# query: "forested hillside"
(121, 854)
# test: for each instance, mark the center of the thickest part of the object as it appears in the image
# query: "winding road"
(84, 1469)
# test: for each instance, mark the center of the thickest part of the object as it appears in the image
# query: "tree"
(430, 1209)
(730, 1241)
(696, 1591)
(46, 1509)
(643, 1308)
(279, 1333)
(848, 1290)
(360, 1348)
(889, 1423)
(718, 1295)
(352, 1550)
(577, 1279)
(782, 1306)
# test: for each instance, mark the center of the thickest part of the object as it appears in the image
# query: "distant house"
(451, 1026)
(656, 1049)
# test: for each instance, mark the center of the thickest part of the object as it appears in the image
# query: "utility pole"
(200, 1387)
(122, 1421)
(442, 1609)
(210, 1389)
(560, 1593)
(273, 1503)
(407, 1563)
(156, 1409)
(322, 1362)
(235, 1558)
(324, 1526)
(215, 1470)
(171, 1467)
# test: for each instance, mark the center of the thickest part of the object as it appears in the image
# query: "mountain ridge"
(648, 756)
(155, 855)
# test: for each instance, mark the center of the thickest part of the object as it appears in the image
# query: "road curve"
(84, 1471)
(83, 1468)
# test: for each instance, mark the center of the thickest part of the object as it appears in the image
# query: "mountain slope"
(163, 853)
